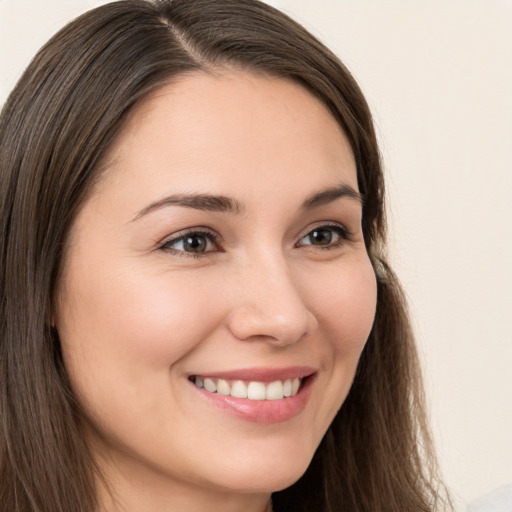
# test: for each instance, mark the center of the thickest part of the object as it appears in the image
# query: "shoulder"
(499, 500)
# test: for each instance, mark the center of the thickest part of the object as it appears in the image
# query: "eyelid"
(214, 237)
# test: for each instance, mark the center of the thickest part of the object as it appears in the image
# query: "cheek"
(155, 317)
(123, 339)
(346, 311)
(122, 330)
(346, 307)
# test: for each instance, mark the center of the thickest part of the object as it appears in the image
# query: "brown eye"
(321, 237)
(193, 244)
(325, 236)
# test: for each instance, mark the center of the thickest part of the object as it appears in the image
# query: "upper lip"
(260, 374)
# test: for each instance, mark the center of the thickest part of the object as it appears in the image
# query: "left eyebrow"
(331, 194)
(205, 202)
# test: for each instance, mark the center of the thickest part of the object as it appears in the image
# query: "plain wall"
(438, 76)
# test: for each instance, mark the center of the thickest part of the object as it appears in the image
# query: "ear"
(53, 317)
(378, 262)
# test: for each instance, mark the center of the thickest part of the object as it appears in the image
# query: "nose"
(267, 304)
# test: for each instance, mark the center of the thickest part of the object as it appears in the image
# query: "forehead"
(214, 127)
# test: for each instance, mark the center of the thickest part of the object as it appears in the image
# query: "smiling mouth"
(251, 390)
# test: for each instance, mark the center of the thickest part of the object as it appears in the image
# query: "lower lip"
(261, 411)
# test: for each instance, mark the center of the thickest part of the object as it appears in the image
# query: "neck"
(127, 494)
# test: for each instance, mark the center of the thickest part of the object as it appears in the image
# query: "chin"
(264, 476)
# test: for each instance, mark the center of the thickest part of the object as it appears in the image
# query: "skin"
(136, 319)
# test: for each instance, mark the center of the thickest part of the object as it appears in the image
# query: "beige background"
(438, 75)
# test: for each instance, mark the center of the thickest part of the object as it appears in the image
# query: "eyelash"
(343, 233)
(209, 235)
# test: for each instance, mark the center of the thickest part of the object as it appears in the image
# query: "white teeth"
(209, 385)
(239, 389)
(223, 387)
(276, 390)
(256, 391)
(287, 388)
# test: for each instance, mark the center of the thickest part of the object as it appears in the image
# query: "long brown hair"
(55, 130)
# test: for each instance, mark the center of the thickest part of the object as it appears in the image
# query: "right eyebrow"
(330, 194)
(205, 202)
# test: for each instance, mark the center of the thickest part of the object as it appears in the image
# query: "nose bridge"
(268, 302)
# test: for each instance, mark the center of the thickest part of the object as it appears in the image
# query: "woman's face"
(222, 248)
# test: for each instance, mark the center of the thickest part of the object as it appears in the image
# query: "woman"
(196, 310)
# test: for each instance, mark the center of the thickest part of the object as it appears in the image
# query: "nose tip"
(272, 312)
(280, 329)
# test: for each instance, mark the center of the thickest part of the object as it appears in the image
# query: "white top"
(499, 500)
